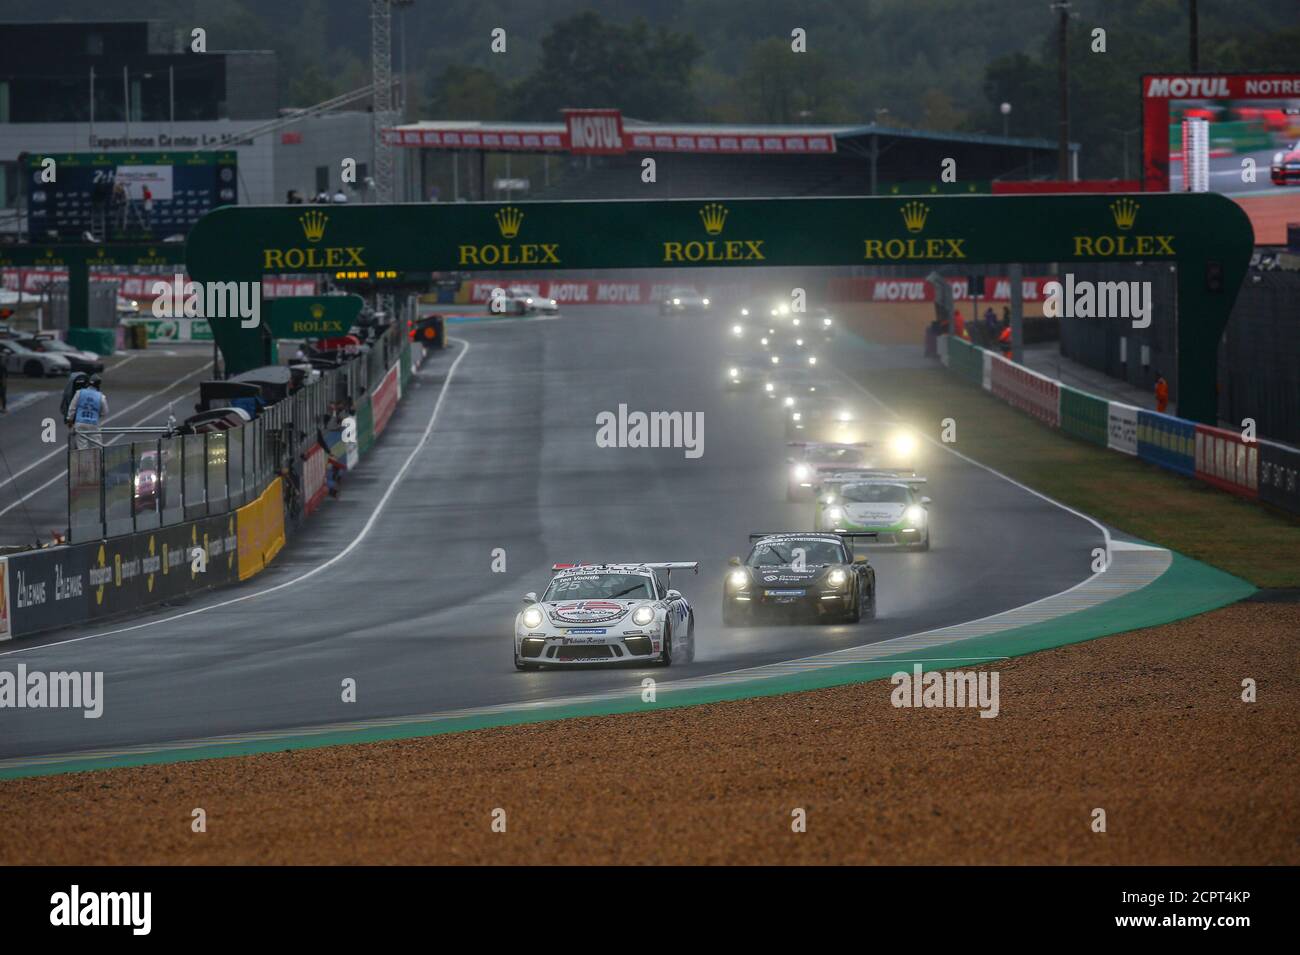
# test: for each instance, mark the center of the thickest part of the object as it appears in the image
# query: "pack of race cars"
(856, 472)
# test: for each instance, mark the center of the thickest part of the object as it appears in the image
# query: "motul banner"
(996, 289)
(596, 132)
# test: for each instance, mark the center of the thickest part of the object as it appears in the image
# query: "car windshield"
(833, 456)
(875, 494)
(594, 586)
(781, 552)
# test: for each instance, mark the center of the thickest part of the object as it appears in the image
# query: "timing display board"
(82, 198)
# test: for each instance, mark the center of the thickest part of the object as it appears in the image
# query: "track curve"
(414, 614)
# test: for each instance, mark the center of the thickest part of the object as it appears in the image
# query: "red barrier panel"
(384, 399)
(1030, 392)
(1226, 461)
(313, 479)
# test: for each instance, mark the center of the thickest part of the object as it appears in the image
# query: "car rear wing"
(828, 444)
(691, 565)
(867, 475)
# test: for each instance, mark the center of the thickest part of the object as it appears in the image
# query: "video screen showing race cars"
(647, 436)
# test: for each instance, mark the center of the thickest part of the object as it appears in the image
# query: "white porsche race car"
(606, 613)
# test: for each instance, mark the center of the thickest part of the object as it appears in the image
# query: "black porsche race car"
(808, 573)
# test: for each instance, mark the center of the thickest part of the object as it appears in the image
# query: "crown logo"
(714, 216)
(313, 225)
(317, 311)
(914, 215)
(1125, 212)
(508, 221)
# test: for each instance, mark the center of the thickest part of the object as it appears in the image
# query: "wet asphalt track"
(414, 613)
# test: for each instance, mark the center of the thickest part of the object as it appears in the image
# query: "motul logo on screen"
(1188, 87)
(595, 131)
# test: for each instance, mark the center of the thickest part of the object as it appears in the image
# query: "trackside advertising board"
(63, 586)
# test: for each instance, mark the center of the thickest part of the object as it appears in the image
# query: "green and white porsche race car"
(881, 506)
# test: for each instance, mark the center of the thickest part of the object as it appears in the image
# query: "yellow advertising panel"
(261, 530)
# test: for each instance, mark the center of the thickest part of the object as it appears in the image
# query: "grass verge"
(1255, 542)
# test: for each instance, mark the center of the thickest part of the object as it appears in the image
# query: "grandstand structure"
(598, 154)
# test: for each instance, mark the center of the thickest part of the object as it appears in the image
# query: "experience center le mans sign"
(1207, 235)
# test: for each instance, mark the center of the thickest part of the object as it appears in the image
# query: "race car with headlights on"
(810, 573)
(1285, 167)
(607, 613)
(814, 460)
(518, 300)
(821, 322)
(880, 506)
(680, 300)
(743, 373)
(824, 415)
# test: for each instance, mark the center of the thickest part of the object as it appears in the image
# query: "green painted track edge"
(1187, 588)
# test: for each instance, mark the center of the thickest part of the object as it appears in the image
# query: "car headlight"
(836, 578)
(763, 340)
(528, 301)
(915, 515)
(801, 472)
(812, 359)
(532, 617)
(789, 401)
(796, 321)
(643, 615)
(744, 311)
(797, 416)
(798, 343)
(835, 513)
(769, 387)
(705, 301)
(844, 416)
(737, 578)
(737, 330)
(1277, 157)
(776, 359)
(734, 372)
(826, 322)
(554, 302)
(902, 444)
(677, 301)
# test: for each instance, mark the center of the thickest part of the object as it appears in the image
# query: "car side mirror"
(530, 597)
(674, 595)
(734, 562)
(860, 559)
(925, 500)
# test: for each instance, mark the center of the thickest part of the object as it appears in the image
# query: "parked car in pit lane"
(1285, 168)
(883, 507)
(813, 574)
(19, 359)
(681, 299)
(78, 359)
(607, 613)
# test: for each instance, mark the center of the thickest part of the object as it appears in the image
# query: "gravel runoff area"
(1149, 726)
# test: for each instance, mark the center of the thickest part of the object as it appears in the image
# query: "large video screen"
(161, 194)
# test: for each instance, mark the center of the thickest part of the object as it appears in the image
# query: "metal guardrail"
(120, 488)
